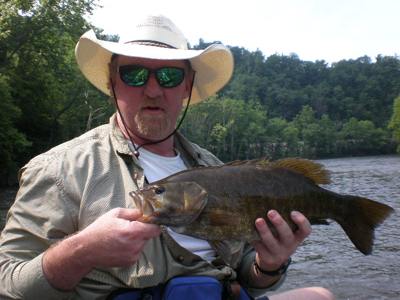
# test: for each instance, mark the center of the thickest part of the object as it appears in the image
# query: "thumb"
(129, 214)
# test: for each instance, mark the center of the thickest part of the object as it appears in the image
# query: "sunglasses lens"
(170, 76)
(134, 75)
(167, 77)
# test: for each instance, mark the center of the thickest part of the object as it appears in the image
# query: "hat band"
(150, 43)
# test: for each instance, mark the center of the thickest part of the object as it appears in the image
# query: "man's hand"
(272, 251)
(115, 239)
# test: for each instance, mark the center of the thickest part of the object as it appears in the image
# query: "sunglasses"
(167, 77)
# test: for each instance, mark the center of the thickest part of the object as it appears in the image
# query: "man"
(72, 231)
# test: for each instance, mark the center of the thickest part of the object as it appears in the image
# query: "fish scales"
(233, 207)
(230, 198)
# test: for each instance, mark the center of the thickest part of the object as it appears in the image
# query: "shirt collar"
(117, 137)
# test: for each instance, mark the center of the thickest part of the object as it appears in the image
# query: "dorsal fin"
(310, 169)
(255, 162)
(235, 163)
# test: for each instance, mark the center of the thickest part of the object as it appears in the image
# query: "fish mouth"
(137, 199)
(145, 206)
(147, 219)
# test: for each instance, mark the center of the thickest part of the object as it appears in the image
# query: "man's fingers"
(144, 231)
(268, 240)
(129, 214)
(135, 229)
(303, 224)
(284, 231)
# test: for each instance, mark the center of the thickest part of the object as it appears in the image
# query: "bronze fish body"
(223, 202)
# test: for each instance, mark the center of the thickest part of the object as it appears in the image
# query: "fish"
(219, 203)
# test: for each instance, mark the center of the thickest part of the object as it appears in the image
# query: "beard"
(153, 127)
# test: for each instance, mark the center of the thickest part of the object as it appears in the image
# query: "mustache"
(153, 103)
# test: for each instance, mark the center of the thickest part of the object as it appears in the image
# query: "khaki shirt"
(65, 189)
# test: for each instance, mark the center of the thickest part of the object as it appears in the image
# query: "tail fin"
(363, 217)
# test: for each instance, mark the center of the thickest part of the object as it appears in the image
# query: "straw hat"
(213, 65)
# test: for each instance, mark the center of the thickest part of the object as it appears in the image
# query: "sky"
(329, 30)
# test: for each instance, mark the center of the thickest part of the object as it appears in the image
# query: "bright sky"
(313, 29)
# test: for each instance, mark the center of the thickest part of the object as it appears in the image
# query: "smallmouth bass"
(223, 202)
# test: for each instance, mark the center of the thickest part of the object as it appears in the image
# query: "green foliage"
(283, 84)
(394, 124)
(42, 91)
(232, 129)
(361, 137)
(235, 129)
(12, 141)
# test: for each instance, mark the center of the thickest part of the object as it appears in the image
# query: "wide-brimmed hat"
(156, 37)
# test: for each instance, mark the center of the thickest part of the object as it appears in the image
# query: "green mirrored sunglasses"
(167, 77)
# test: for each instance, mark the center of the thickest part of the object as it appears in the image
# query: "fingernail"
(260, 222)
(272, 214)
(295, 214)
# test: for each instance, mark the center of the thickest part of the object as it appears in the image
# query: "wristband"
(281, 270)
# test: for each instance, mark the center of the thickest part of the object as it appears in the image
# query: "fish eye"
(159, 190)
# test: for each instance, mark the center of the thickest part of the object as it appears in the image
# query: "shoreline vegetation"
(275, 106)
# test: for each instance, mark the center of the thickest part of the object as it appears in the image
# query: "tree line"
(236, 129)
(274, 106)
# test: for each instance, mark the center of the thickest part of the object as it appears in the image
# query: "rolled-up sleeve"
(38, 218)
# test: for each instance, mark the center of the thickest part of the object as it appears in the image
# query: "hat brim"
(213, 65)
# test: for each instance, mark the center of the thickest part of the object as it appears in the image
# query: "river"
(328, 258)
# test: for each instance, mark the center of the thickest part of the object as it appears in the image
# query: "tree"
(304, 118)
(37, 41)
(276, 137)
(361, 137)
(12, 141)
(394, 124)
(24, 21)
(292, 143)
(232, 129)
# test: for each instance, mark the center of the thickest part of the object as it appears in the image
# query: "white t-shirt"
(157, 167)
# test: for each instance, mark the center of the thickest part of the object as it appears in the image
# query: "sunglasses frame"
(150, 71)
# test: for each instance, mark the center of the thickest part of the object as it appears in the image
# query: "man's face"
(150, 111)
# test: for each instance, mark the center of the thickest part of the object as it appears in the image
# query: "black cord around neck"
(136, 151)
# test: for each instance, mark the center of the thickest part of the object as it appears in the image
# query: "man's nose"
(152, 89)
